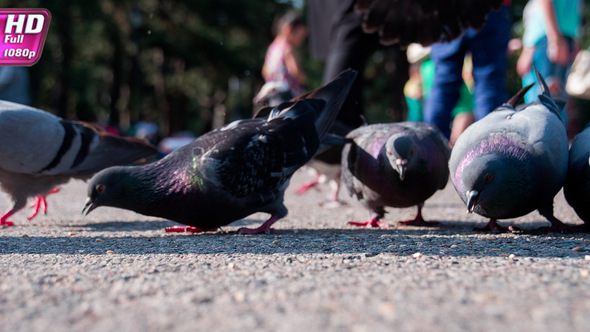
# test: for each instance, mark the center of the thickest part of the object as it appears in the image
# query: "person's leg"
(488, 48)
(350, 47)
(448, 63)
(543, 65)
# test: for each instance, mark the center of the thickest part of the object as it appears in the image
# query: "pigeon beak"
(472, 198)
(401, 165)
(88, 206)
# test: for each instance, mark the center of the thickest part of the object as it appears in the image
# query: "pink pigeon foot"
(560, 227)
(41, 203)
(188, 229)
(264, 228)
(419, 220)
(306, 187)
(4, 219)
(494, 227)
(373, 222)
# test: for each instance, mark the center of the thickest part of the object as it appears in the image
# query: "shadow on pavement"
(404, 241)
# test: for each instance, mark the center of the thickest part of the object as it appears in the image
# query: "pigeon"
(422, 21)
(577, 182)
(396, 164)
(230, 172)
(40, 151)
(513, 161)
(327, 168)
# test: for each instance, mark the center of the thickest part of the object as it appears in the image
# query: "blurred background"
(186, 65)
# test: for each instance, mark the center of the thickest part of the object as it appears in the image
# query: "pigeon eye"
(487, 179)
(413, 150)
(100, 188)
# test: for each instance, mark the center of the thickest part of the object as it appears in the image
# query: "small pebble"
(495, 249)
(275, 242)
(417, 255)
(71, 234)
(587, 257)
(110, 252)
(454, 246)
(99, 240)
(25, 235)
(512, 256)
(577, 249)
(239, 296)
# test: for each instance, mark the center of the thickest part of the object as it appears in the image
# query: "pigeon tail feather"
(518, 98)
(545, 97)
(334, 94)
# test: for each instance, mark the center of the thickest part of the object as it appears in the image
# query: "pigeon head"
(490, 181)
(110, 187)
(401, 152)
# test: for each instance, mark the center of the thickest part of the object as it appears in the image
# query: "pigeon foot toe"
(493, 227)
(373, 223)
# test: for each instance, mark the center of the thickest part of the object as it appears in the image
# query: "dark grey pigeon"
(577, 183)
(40, 151)
(230, 172)
(396, 164)
(513, 161)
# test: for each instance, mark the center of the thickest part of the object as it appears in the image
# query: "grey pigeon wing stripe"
(87, 135)
(65, 145)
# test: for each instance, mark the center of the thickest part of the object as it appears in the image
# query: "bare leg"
(460, 123)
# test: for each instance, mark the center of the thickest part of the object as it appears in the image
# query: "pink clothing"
(277, 68)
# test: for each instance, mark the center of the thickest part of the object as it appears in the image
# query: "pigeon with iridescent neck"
(396, 164)
(513, 161)
(230, 172)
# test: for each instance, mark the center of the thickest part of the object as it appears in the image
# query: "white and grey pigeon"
(396, 164)
(40, 151)
(230, 172)
(513, 161)
(577, 183)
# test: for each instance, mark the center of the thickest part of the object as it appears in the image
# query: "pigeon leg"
(41, 203)
(559, 226)
(333, 201)
(188, 229)
(4, 219)
(307, 186)
(419, 220)
(556, 224)
(494, 227)
(264, 228)
(373, 222)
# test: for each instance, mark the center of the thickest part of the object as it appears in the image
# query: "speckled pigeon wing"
(254, 159)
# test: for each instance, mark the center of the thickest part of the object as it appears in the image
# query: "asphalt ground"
(116, 270)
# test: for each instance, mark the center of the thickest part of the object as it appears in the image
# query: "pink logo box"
(22, 35)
